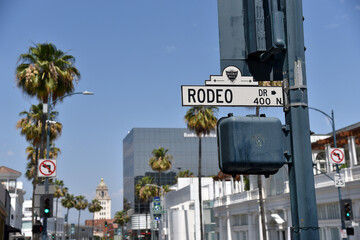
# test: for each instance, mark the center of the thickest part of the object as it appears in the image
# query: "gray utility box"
(250, 145)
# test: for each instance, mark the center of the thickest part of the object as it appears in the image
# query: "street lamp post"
(332, 121)
(48, 122)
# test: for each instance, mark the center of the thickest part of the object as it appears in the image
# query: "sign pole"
(301, 178)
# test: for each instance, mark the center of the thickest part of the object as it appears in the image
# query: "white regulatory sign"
(339, 179)
(47, 168)
(337, 156)
(251, 96)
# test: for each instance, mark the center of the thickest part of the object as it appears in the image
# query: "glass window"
(334, 233)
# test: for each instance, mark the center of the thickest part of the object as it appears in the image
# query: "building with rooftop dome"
(102, 194)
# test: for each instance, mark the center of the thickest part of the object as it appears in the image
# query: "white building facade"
(234, 205)
(102, 194)
(8, 178)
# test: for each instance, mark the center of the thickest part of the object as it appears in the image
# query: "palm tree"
(202, 120)
(160, 161)
(94, 207)
(121, 218)
(143, 190)
(184, 174)
(60, 192)
(68, 202)
(46, 70)
(81, 204)
(30, 127)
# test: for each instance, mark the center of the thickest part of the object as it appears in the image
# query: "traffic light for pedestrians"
(46, 205)
(37, 228)
(346, 209)
(250, 145)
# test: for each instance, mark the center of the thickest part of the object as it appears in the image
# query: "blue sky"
(135, 55)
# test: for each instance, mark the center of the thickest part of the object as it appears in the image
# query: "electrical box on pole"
(250, 145)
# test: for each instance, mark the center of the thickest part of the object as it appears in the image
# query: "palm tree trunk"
(93, 225)
(57, 201)
(200, 193)
(77, 237)
(67, 223)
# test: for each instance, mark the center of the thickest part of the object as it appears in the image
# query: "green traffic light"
(47, 210)
(348, 214)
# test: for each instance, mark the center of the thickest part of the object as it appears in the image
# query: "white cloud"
(9, 153)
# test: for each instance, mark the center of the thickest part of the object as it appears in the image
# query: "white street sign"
(337, 156)
(231, 89)
(47, 168)
(249, 96)
(339, 179)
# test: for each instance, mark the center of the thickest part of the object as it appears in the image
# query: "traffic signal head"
(250, 145)
(346, 209)
(46, 205)
(106, 224)
(53, 236)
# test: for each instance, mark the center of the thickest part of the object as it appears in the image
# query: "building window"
(328, 211)
(240, 220)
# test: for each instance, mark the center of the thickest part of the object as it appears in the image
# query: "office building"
(182, 145)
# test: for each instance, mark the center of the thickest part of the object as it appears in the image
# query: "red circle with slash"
(47, 167)
(337, 155)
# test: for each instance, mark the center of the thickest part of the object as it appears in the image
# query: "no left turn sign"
(337, 156)
(47, 168)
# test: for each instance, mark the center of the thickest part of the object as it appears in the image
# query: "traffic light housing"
(105, 224)
(53, 236)
(250, 145)
(46, 205)
(346, 209)
(37, 228)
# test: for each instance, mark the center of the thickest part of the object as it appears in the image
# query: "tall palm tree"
(160, 161)
(60, 192)
(146, 193)
(94, 207)
(46, 70)
(68, 202)
(121, 218)
(139, 190)
(81, 204)
(202, 121)
(30, 127)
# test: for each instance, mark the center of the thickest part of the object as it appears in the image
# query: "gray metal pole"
(301, 178)
(44, 233)
(332, 121)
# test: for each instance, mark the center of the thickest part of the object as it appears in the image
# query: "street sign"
(337, 156)
(47, 168)
(339, 179)
(232, 89)
(249, 96)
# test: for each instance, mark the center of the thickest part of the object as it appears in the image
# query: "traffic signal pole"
(301, 178)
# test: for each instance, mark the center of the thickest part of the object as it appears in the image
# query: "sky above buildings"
(135, 55)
